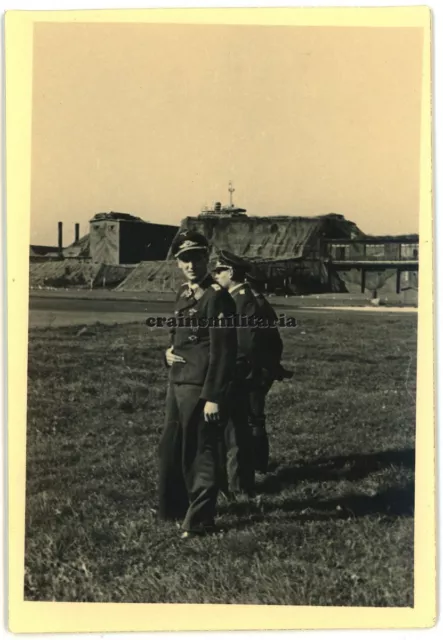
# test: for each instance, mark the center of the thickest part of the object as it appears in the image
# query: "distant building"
(219, 210)
(302, 255)
(227, 210)
(372, 261)
(38, 252)
(289, 254)
(374, 248)
(286, 251)
(120, 238)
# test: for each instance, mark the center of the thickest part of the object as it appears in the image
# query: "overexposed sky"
(154, 120)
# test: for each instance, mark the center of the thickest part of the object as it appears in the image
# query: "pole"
(329, 268)
(60, 237)
(231, 191)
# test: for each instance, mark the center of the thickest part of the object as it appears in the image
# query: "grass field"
(333, 523)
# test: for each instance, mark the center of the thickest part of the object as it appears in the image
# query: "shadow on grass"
(393, 502)
(351, 467)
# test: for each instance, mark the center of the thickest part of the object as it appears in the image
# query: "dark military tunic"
(270, 344)
(238, 432)
(189, 466)
(270, 349)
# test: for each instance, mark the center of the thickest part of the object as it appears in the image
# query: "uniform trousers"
(239, 469)
(257, 424)
(189, 467)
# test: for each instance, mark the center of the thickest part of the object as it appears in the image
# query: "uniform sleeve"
(222, 349)
(247, 337)
(271, 349)
(171, 336)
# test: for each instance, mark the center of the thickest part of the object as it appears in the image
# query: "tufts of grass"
(333, 520)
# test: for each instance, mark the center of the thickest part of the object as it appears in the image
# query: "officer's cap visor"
(220, 267)
(189, 251)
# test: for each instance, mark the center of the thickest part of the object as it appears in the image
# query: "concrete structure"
(120, 238)
(290, 254)
(285, 250)
(374, 259)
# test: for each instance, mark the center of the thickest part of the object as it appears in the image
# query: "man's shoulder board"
(216, 286)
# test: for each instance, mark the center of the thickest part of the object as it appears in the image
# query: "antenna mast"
(231, 191)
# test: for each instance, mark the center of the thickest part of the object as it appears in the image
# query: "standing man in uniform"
(229, 272)
(270, 347)
(202, 364)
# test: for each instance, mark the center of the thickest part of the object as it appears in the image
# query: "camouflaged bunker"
(287, 252)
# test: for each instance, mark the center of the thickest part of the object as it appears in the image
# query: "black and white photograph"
(223, 311)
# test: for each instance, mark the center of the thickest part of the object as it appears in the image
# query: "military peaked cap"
(188, 241)
(229, 259)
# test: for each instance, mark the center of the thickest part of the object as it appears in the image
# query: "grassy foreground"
(333, 524)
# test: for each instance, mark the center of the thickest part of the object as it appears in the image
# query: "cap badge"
(188, 243)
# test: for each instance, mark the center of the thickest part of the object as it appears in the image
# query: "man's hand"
(211, 412)
(171, 357)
